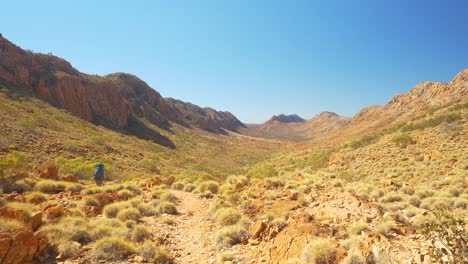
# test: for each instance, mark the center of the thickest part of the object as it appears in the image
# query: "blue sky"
(254, 58)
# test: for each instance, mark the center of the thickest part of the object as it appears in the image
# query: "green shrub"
(384, 226)
(364, 141)
(450, 231)
(79, 167)
(320, 251)
(50, 186)
(354, 258)
(125, 194)
(231, 235)
(189, 187)
(112, 249)
(140, 233)
(166, 207)
(414, 200)
(227, 216)
(90, 201)
(357, 228)
(156, 194)
(403, 140)
(146, 210)
(208, 186)
(178, 185)
(6, 223)
(168, 220)
(432, 122)
(168, 196)
(69, 248)
(111, 210)
(391, 198)
(27, 208)
(154, 254)
(36, 197)
(278, 223)
(352, 242)
(129, 214)
(13, 167)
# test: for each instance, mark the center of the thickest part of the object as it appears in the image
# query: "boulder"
(36, 220)
(22, 247)
(257, 228)
(106, 198)
(69, 178)
(50, 173)
(55, 211)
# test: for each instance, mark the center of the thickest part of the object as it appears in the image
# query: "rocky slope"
(423, 98)
(119, 101)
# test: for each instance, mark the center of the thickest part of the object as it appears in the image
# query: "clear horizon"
(257, 59)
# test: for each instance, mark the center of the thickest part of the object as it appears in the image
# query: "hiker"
(99, 173)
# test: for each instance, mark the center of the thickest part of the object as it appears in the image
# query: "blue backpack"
(99, 172)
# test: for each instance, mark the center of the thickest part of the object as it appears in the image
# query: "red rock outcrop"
(110, 100)
(21, 245)
(50, 173)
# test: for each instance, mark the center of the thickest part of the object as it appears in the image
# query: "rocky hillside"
(294, 128)
(119, 101)
(424, 97)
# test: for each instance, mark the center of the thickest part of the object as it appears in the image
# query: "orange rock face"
(50, 173)
(113, 100)
(18, 246)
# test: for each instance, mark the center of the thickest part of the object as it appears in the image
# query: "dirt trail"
(191, 237)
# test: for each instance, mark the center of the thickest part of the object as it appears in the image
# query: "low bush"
(231, 235)
(50, 186)
(125, 194)
(168, 196)
(111, 210)
(10, 224)
(178, 185)
(69, 249)
(450, 231)
(227, 216)
(189, 187)
(384, 226)
(112, 249)
(36, 197)
(208, 186)
(140, 233)
(403, 140)
(352, 242)
(278, 223)
(431, 122)
(90, 201)
(354, 258)
(320, 251)
(129, 214)
(154, 254)
(364, 141)
(166, 207)
(357, 228)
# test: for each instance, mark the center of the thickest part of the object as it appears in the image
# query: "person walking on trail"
(99, 173)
